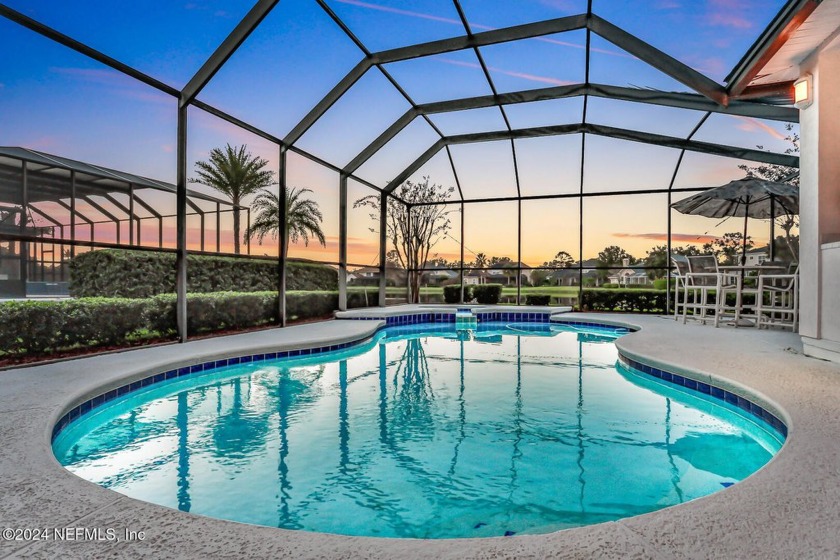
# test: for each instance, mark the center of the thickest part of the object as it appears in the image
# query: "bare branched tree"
(781, 174)
(413, 237)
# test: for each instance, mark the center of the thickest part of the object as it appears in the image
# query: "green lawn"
(556, 291)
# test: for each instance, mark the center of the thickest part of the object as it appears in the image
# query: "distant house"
(571, 276)
(504, 275)
(438, 275)
(756, 256)
(369, 275)
(628, 276)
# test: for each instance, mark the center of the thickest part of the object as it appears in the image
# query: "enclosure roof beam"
(44, 215)
(98, 207)
(75, 45)
(79, 214)
(198, 209)
(381, 140)
(328, 101)
(415, 165)
(235, 121)
(496, 36)
(147, 206)
(691, 101)
(633, 136)
(659, 60)
(633, 45)
(599, 130)
(118, 204)
(425, 49)
(654, 97)
(232, 42)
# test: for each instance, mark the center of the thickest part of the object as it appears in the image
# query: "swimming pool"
(424, 431)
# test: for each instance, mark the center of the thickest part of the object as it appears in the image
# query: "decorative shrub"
(534, 299)
(44, 327)
(212, 312)
(141, 274)
(488, 293)
(452, 294)
(636, 300)
(41, 327)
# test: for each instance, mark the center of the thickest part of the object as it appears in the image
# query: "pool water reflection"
(423, 432)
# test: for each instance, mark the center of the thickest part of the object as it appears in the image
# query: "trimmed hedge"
(43, 327)
(211, 312)
(534, 299)
(142, 274)
(39, 327)
(452, 294)
(488, 293)
(611, 299)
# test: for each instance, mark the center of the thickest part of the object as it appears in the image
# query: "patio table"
(737, 273)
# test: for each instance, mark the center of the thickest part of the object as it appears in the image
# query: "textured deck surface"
(789, 509)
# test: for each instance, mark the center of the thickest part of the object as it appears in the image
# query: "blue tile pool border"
(739, 401)
(391, 321)
(411, 319)
(104, 398)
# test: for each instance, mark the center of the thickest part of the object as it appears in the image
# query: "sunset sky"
(57, 101)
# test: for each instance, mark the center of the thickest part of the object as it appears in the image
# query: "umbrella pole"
(744, 240)
(772, 228)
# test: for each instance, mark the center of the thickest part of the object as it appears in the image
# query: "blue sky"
(57, 101)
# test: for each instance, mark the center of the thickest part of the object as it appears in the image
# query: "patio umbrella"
(748, 198)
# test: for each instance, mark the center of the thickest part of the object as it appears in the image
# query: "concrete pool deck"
(789, 509)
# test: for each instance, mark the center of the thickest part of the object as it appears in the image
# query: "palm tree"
(235, 173)
(303, 217)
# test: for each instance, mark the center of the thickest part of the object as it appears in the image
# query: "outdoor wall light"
(803, 91)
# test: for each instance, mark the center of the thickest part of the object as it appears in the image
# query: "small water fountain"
(465, 320)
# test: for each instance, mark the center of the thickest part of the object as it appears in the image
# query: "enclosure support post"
(247, 228)
(383, 242)
(72, 213)
(24, 245)
(409, 271)
(461, 298)
(181, 227)
(282, 237)
(519, 252)
(668, 263)
(772, 228)
(218, 227)
(131, 214)
(342, 243)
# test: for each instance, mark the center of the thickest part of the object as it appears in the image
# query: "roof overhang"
(769, 68)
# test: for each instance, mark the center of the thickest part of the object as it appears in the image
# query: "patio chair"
(681, 269)
(702, 279)
(777, 302)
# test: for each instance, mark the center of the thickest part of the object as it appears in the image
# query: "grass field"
(555, 291)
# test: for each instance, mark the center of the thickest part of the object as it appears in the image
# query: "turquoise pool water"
(422, 432)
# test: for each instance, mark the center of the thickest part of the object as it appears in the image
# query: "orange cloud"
(750, 124)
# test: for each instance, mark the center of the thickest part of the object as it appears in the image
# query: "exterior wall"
(820, 207)
(830, 258)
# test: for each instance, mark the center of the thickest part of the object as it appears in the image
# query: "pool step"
(465, 319)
